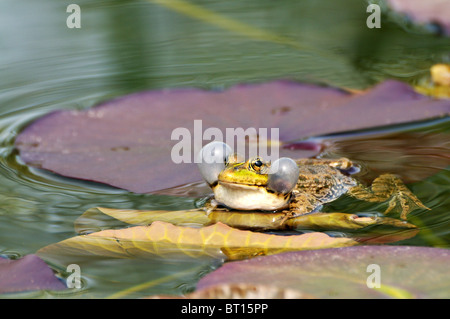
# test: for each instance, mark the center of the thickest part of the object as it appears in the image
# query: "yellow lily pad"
(165, 239)
(370, 228)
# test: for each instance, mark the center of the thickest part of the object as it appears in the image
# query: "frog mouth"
(248, 197)
(241, 185)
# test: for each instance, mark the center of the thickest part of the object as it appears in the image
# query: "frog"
(295, 187)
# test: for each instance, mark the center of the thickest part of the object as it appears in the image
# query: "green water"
(129, 46)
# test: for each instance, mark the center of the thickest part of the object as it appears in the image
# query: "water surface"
(125, 47)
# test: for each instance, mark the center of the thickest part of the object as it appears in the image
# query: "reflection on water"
(420, 155)
(414, 154)
(127, 47)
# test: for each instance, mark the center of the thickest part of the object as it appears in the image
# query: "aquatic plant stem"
(151, 283)
(243, 29)
(223, 22)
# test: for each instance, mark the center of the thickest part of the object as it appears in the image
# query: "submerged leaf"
(406, 272)
(127, 142)
(164, 239)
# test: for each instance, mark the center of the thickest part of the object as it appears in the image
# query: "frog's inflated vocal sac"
(297, 187)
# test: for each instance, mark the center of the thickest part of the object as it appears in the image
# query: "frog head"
(247, 185)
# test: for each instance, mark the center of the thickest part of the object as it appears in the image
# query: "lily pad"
(240, 291)
(431, 11)
(127, 142)
(26, 274)
(165, 239)
(405, 272)
(373, 229)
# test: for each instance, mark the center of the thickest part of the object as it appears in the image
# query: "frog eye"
(211, 160)
(283, 175)
(257, 164)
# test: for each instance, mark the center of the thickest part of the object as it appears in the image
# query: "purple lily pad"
(405, 272)
(27, 273)
(431, 11)
(127, 142)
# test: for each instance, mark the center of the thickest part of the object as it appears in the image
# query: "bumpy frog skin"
(250, 185)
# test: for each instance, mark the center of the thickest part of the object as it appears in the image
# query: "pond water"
(124, 47)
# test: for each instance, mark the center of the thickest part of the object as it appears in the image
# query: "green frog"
(295, 187)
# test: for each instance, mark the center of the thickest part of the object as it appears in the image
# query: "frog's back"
(322, 181)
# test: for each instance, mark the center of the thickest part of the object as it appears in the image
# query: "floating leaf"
(406, 272)
(96, 219)
(164, 239)
(368, 229)
(371, 229)
(27, 273)
(127, 142)
(431, 11)
(240, 291)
